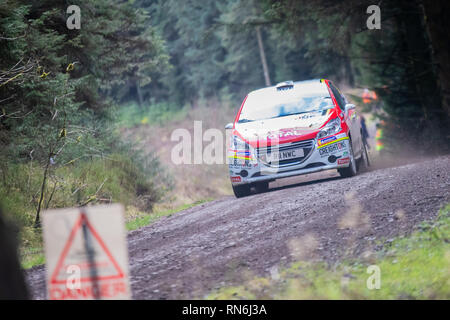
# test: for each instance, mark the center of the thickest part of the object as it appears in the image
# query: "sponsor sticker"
(326, 140)
(239, 164)
(241, 157)
(343, 160)
(309, 115)
(326, 112)
(332, 148)
(235, 179)
(240, 154)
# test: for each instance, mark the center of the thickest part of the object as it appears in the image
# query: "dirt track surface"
(219, 243)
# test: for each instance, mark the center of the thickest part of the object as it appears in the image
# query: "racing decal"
(333, 139)
(237, 165)
(341, 135)
(242, 152)
(242, 155)
(240, 163)
(307, 116)
(284, 134)
(315, 114)
(235, 179)
(332, 148)
(326, 140)
(343, 160)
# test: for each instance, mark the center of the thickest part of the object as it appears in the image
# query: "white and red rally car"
(290, 129)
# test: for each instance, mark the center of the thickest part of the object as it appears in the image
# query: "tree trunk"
(37, 221)
(263, 56)
(139, 94)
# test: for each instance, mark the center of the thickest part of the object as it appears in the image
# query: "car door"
(350, 118)
(354, 122)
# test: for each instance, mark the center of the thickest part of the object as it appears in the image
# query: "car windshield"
(272, 103)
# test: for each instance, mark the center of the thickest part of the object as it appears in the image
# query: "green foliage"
(132, 115)
(320, 32)
(116, 178)
(112, 179)
(58, 88)
(238, 21)
(146, 219)
(195, 49)
(414, 267)
(395, 61)
(397, 65)
(215, 50)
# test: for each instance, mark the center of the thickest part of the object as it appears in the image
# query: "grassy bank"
(153, 131)
(144, 219)
(131, 115)
(413, 267)
(115, 178)
(147, 196)
(33, 253)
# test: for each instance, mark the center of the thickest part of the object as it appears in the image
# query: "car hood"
(284, 129)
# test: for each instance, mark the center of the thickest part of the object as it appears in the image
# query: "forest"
(62, 90)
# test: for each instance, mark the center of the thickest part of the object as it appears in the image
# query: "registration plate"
(285, 155)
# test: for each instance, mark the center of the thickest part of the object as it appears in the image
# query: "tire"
(262, 187)
(364, 162)
(352, 169)
(241, 190)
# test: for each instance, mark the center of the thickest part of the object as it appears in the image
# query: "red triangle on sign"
(118, 274)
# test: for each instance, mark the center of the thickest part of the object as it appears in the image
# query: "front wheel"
(241, 190)
(351, 170)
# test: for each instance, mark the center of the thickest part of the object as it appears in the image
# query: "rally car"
(290, 129)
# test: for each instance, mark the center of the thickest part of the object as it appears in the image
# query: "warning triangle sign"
(86, 246)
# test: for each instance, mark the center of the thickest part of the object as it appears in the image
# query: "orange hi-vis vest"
(369, 96)
(366, 97)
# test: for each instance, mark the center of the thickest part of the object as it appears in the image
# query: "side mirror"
(229, 126)
(349, 107)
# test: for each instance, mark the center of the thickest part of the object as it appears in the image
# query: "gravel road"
(222, 242)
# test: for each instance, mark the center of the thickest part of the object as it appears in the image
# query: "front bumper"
(251, 169)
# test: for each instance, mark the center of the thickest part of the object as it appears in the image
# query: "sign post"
(86, 253)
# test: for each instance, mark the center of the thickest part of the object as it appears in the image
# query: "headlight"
(238, 144)
(332, 127)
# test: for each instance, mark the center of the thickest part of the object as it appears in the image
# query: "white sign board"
(86, 253)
